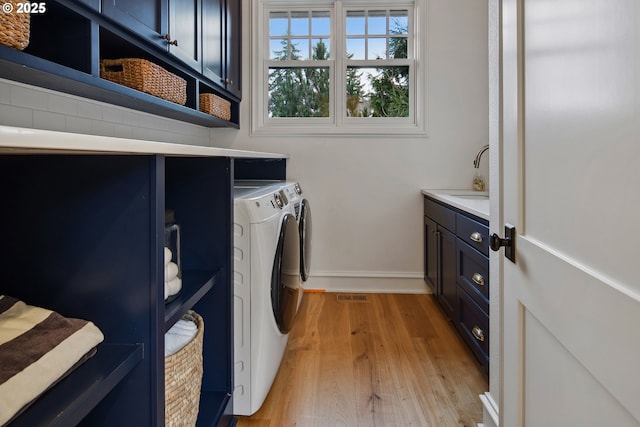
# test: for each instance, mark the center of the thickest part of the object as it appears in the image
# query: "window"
(348, 67)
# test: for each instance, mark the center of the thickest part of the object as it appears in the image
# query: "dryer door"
(285, 278)
(305, 239)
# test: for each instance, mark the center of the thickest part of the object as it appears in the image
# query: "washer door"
(285, 278)
(305, 239)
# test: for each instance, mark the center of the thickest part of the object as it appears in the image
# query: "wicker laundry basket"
(145, 76)
(183, 380)
(14, 26)
(215, 105)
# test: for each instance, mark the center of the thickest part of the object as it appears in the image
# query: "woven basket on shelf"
(14, 27)
(183, 380)
(215, 105)
(145, 76)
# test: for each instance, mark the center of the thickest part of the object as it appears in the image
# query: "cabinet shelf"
(212, 404)
(29, 69)
(195, 285)
(69, 401)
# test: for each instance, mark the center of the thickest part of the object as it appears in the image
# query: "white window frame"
(338, 123)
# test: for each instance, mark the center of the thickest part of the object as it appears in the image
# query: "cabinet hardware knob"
(228, 81)
(478, 279)
(167, 37)
(478, 333)
(476, 237)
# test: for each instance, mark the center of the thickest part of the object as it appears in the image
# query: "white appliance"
(300, 207)
(266, 290)
(302, 210)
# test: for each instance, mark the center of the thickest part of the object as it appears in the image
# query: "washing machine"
(266, 290)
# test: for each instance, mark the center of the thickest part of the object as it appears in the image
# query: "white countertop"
(474, 202)
(25, 140)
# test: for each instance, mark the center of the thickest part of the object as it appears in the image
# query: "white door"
(571, 187)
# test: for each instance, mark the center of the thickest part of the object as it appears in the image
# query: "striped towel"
(37, 348)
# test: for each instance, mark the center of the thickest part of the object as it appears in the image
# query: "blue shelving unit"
(84, 237)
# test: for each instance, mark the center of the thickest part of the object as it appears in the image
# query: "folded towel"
(170, 271)
(172, 287)
(179, 335)
(184, 327)
(37, 348)
(167, 255)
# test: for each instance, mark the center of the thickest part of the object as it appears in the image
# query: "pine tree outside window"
(347, 67)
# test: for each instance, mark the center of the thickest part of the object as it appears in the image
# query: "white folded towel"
(170, 271)
(180, 334)
(167, 255)
(172, 287)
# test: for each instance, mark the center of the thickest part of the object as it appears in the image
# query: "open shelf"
(69, 401)
(29, 69)
(195, 284)
(212, 404)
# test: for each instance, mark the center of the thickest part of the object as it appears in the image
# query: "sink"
(473, 202)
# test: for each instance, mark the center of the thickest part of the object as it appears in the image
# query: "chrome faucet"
(476, 162)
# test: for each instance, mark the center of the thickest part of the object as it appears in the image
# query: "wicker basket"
(14, 27)
(145, 76)
(183, 380)
(215, 105)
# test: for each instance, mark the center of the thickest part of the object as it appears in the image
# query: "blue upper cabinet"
(222, 40)
(147, 18)
(197, 41)
(184, 39)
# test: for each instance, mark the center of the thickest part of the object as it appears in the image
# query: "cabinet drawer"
(473, 274)
(440, 214)
(473, 325)
(473, 232)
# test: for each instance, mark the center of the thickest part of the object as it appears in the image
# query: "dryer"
(302, 210)
(266, 290)
(300, 207)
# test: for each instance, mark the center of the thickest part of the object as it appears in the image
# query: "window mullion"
(340, 68)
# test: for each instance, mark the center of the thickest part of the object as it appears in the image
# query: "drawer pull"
(478, 279)
(477, 332)
(476, 237)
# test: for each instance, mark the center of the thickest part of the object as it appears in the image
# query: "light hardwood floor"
(392, 360)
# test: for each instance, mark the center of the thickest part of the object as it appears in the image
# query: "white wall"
(365, 192)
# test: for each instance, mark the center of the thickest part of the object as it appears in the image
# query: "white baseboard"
(367, 282)
(490, 410)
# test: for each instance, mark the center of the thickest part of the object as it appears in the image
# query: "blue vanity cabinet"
(457, 270)
(83, 234)
(440, 254)
(472, 249)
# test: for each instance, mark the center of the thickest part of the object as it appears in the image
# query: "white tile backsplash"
(49, 121)
(16, 116)
(29, 98)
(78, 124)
(5, 93)
(90, 110)
(24, 105)
(63, 105)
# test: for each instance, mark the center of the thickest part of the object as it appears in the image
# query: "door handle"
(496, 242)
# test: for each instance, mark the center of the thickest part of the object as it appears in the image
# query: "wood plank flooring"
(392, 360)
